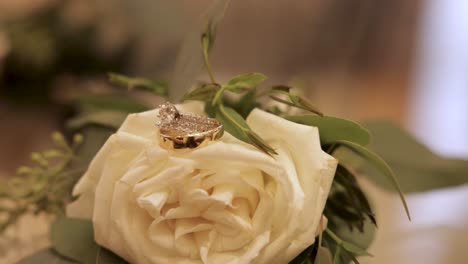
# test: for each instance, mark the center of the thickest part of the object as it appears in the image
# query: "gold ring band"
(185, 130)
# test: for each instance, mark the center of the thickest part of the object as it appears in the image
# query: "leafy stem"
(206, 45)
(232, 120)
(44, 187)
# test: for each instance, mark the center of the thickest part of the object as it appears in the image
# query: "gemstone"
(174, 123)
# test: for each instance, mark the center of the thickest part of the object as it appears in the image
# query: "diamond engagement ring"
(178, 130)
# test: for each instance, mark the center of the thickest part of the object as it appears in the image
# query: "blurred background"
(405, 61)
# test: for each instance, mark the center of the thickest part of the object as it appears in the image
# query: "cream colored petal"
(153, 203)
(312, 166)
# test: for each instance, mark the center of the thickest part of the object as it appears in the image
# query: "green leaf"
(109, 102)
(159, 88)
(74, 239)
(361, 239)
(204, 92)
(337, 256)
(46, 256)
(244, 82)
(348, 246)
(379, 164)
(332, 129)
(236, 125)
(417, 168)
(278, 92)
(246, 104)
(233, 123)
(109, 119)
(324, 256)
(218, 98)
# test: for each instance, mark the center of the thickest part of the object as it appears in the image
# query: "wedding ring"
(178, 130)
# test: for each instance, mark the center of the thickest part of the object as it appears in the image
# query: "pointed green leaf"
(379, 164)
(332, 129)
(205, 93)
(156, 87)
(246, 104)
(350, 247)
(236, 125)
(294, 100)
(260, 143)
(337, 256)
(417, 168)
(74, 239)
(233, 123)
(244, 82)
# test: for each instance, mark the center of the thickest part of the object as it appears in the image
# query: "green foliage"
(74, 239)
(44, 187)
(73, 242)
(244, 82)
(283, 94)
(346, 203)
(333, 129)
(235, 124)
(159, 88)
(213, 95)
(205, 92)
(378, 163)
(417, 168)
(83, 249)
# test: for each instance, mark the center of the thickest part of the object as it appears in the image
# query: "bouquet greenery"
(304, 166)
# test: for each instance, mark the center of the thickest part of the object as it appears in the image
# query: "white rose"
(226, 202)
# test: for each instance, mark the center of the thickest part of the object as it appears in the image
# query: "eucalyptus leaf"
(74, 239)
(417, 168)
(337, 255)
(332, 129)
(236, 125)
(204, 92)
(379, 164)
(246, 104)
(46, 256)
(233, 123)
(159, 88)
(298, 102)
(111, 119)
(244, 82)
(361, 239)
(346, 245)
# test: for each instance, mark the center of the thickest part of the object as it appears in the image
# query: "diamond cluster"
(174, 123)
